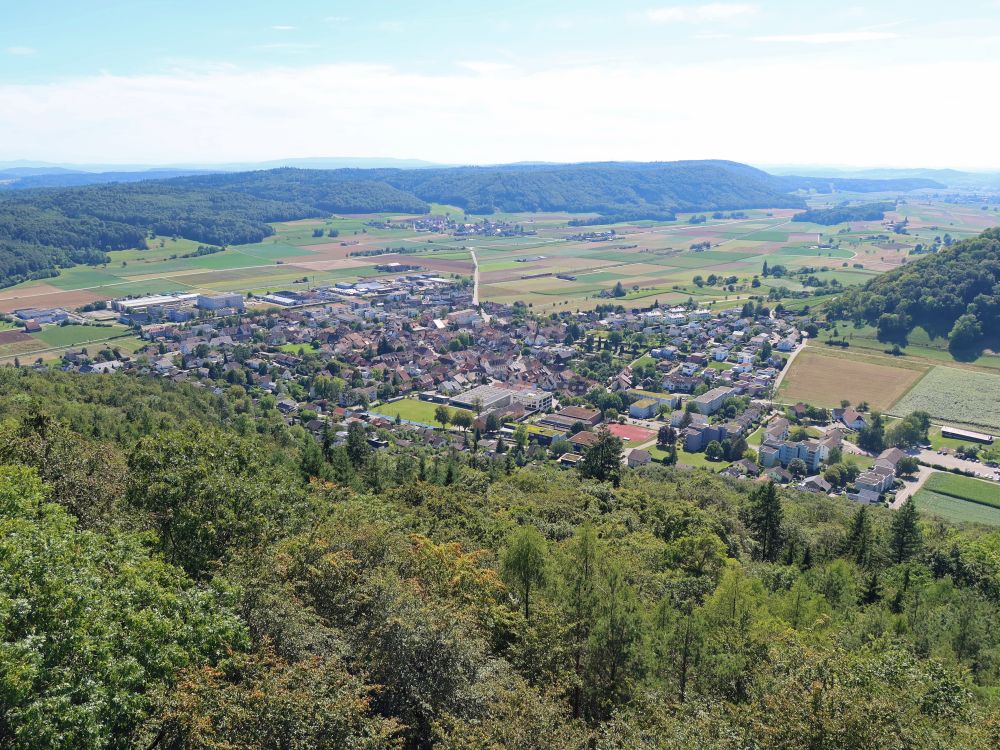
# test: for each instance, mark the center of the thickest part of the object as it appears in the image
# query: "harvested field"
(12, 337)
(30, 297)
(822, 379)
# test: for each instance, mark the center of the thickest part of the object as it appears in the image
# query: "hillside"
(58, 227)
(954, 292)
(186, 570)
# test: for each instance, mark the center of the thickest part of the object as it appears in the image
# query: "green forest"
(841, 214)
(181, 569)
(43, 230)
(954, 292)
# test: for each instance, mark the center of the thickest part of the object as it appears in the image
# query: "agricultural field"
(964, 488)
(955, 510)
(714, 261)
(412, 410)
(824, 378)
(920, 345)
(51, 341)
(954, 395)
(75, 335)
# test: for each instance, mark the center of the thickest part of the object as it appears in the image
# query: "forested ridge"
(181, 569)
(954, 292)
(60, 227)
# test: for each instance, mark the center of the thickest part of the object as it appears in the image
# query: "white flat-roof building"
(163, 301)
(484, 398)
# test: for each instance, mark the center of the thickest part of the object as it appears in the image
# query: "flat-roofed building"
(219, 301)
(533, 400)
(711, 401)
(483, 398)
(161, 301)
(959, 434)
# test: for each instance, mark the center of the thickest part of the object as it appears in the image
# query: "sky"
(889, 83)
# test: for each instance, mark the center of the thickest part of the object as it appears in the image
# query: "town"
(414, 364)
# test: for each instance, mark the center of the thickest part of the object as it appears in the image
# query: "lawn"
(697, 460)
(954, 395)
(964, 488)
(412, 410)
(824, 379)
(955, 510)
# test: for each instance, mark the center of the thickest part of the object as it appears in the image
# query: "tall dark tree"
(765, 516)
(905, 537)
(358, 449)
(859, 541)
(603, 460)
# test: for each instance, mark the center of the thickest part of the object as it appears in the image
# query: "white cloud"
(673, 112)
(830, 37)
(21, 51)
(283, 28)
(712, 12)
(485, 67)
(286, 46)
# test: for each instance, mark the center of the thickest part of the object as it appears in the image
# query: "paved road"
(910, 487)
(788, 366)
(475, 277)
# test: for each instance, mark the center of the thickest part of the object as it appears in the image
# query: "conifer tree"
(765, 517)
(904, 536)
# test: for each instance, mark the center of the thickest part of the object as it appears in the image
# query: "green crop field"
(412, 410)
(953, 509)
(964, 488)
(74, 335)
(954, 395)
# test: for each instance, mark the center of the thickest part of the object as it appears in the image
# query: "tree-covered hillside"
(44, 230)
(954, 292)
(59, 227)
(184, 570)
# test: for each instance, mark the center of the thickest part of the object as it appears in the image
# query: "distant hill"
(942, 178)
(954, 292)
(59, 222)
(12, 180)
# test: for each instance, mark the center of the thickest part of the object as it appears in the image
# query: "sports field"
(825, 378)
(412, 410)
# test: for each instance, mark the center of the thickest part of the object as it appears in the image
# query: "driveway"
(910, 486)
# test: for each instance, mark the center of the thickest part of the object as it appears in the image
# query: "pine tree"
(581, 603)
(904, 536)
(859, 539)
(765, 517)
(872, 592)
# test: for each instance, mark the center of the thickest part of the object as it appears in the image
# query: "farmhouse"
(851, 418)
